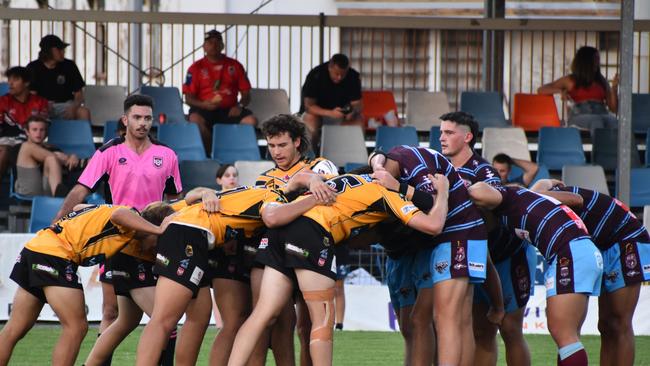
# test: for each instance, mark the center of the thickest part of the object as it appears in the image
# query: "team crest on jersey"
(322, 258)
(460, 254)
(157, 161)
(441, 266)
(630, 261)
(189, 251)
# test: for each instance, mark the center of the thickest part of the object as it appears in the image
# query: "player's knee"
(322, 327)
(109, 312)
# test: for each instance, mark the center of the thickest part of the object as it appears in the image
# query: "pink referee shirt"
(134, 180)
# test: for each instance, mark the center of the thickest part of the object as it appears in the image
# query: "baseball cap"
(213, 34)
(52, 41)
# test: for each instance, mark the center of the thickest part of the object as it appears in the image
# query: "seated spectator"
(211, 88)
(15, 107)
(227, 176)
(331, 95)
(594, 101)
(58, 80)
(504, 163)
(40, 167)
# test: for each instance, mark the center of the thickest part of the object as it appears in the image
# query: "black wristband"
(403, 189)
(422, 200)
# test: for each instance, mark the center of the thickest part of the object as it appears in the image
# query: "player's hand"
(337, 113)
(495, 316)
(386, 179)
(377, 161)
(440, 182)
(210, 201)
(324, 194)
(72, 162)
(234, 111)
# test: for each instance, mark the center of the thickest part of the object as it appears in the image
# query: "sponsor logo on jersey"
(296, 250)
(408, 209)
(549, 283)
(196, 276)
(162, 259)
(46, 269)
(476, 266)
(441, 266)
(189, 251)
(646, 268)
(121, 161)
(263, 243)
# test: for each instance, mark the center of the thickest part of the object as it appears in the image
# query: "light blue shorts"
(400, 281)
(577, 268)
(462, 259)
(625, 264)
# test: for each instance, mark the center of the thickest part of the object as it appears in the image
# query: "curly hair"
(292, 125)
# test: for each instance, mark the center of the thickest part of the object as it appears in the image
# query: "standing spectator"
(58, 80)
(594, 101)
(138, 170)
(331, 94)
(504, 163)
(41, 166)
(15, 107)
(211, 87)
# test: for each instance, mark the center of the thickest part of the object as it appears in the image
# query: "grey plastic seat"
(423, 108)
(249, 170)
(585, 176)
(106, 102)
(646, 217)
(343, 144)
(267, 103)
(510, 140)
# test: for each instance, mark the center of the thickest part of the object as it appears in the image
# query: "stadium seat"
(647, 149)
(184, 139)
(542, 173)
(423, 108)
(198, 173)
(639, 187)
(605, 149)
(534, 111)
(376, 104)
(250, 170)
(434, 138)
(234, 142)
(73, 137)
(389, 137)
(43, 211)
(640, 112)
(167, 101)
(343, 144)
(509, 140)
(348, 167)
(267, 103)
(12, 187)
(106, 102)
(486, 107)
(559, 146)
(516, 174)
(4, 88)
(646, 217)
(586, 176)
(110, 130)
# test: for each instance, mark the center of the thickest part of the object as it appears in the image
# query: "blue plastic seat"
(4, 88)
(167, 100)
(110, 131)
(184, 139)
(559, 146)
(605, 149)
(486, 107)
(43, 211)
(389, 137)
(640, 112)
(198, 173)
(639, 187)
(12, 187)
(234, 142)
(434, 138)
(73, 137)
(647, 149)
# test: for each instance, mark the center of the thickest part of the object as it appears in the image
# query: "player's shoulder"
(112, 144)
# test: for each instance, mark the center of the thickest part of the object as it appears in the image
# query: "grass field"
(350, 348)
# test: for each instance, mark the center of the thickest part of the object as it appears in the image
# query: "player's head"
(213, 43)
(18, 78)
(338, 67)
(503, 164)
(457, 130)
(287, 139)
(36, 129)
(155, 213)
(227, 176)
(138, 116)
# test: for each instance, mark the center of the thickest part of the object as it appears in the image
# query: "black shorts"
(130, 273)
(220, 115)
(235, 266)
(105, 272)
(301, 244)
(33, 271)
(182, 256)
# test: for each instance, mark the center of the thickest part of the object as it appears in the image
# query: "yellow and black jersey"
(85, 237)
(360, 204)
(177, 205)
(240, 212)
(276, 177)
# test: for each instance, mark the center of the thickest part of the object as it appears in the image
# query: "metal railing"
(393, 53)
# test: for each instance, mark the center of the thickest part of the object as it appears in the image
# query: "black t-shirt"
(57, 84)
(328, 95)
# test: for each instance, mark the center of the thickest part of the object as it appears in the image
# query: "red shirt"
(14, 114)
(226, 77)
(594, 92)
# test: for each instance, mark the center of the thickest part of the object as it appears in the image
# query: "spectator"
(15, 107)
(58, 80)
(211, 87)
(41, 166)
(331, 94)
(593, 99)
(227, 176)
(504, 163)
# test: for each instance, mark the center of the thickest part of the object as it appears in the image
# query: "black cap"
(52, 41)
(213, 34)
